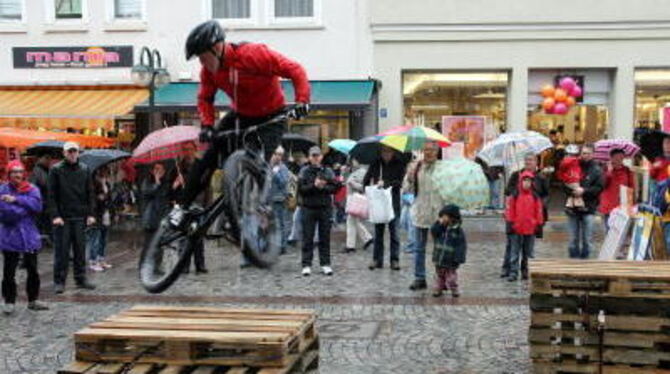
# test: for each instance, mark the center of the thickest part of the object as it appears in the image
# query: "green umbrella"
(462, 182)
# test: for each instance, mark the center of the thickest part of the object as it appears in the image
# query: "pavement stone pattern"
(369, 321)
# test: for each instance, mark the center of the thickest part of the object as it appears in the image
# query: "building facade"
(460, 64)
(91, 45)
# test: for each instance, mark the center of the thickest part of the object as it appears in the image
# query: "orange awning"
(24, 138)
(62, 107)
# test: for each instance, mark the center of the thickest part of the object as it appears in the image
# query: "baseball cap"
(70, 145)
(315, 150)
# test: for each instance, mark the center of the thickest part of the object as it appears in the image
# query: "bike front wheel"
(163, 260)
(247, 188)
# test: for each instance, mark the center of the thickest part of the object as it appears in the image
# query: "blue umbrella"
(342, 145)
(96, 158)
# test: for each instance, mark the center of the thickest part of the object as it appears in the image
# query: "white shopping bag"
(380, 204)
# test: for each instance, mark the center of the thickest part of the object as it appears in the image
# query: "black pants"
(311, 219)
(378, 254)
(9, 276)
(66, 237)
(198, 255)
(266, 139)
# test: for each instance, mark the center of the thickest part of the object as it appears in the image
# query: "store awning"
(66, 107)
(350, 94)
(23, 138)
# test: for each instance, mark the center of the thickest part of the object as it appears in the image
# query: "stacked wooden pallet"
(600, 316)
(172, 340)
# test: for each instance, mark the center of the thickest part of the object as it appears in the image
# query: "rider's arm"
(268, 61)
(206, 94)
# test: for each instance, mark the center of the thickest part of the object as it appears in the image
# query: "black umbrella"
(296, 142)
(96, 158)
(366, 150)
(650, 142)
(49, 146)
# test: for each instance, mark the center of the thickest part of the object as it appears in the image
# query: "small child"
(570, 173)
(450, 249)
(524, 215)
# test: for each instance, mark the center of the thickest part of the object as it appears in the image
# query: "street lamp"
(150, 73)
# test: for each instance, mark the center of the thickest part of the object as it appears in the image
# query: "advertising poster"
(666, 119)
(619, 227)
(469, 130)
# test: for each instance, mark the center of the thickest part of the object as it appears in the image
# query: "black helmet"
(203, 37)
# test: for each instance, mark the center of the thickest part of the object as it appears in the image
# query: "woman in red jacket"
(523, 216)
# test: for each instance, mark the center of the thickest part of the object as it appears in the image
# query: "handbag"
(380, 204)
(357, 206)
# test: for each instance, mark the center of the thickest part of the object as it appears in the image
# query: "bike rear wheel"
(163, 260)
(247, 181)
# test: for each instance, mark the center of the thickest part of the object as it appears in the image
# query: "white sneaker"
(327, 270)
(8, 309)
(96, 267)
(306, 271)
(176, 215)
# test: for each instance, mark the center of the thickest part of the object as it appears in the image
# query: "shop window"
(128, 9)
(11, 10)
(652, 98)
(469, 107)
(587, 120)
(231, 9)
(68, 9)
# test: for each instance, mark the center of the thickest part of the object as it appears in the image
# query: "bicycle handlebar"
(284, 115)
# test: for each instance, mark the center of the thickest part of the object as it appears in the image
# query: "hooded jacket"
(18, 232)
(524, 208)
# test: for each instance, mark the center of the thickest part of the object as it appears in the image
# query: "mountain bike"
(245, 211)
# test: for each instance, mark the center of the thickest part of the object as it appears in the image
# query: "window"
(68, 9)
(652, 98)
(231, 9)
(10, 10)
(128, 9)
(294, 8)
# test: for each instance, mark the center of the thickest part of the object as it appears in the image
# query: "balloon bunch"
(558, 100)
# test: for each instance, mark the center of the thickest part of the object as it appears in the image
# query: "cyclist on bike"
(249, 74)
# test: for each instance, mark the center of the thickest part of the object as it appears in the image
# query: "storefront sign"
(72, 57)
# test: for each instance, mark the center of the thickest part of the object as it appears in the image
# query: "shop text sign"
(72, 57)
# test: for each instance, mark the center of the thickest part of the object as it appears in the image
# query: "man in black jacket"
(580, 220)
(70, 203)
(316, 185)
(387, 171)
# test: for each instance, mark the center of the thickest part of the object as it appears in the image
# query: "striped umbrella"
(605, 146)
(164, 144)
(497, 152)
(412, 138)
(462, 182)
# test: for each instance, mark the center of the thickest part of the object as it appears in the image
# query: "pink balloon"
(560, 108)
(567, 84)
(576, 91)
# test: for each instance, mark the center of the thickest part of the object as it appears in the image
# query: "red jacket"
(524, 209)
(250, 77)
(609, 198)
(660, 173)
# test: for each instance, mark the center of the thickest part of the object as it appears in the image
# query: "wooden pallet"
(298, 364)
(566, 299)
(188, 336)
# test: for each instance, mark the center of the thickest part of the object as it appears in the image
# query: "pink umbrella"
(605, 146)
(164, 144)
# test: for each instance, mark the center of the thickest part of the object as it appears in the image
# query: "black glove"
(300, 110)
(206, 134)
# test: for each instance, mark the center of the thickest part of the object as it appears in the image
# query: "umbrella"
(96, 158)
(166, 143)
(530, 141)
(412, 138)
(296, 142)
(650, 142)
(342, 145)
(605, 146)
(366, 150)
(462, 182)
(49, 146)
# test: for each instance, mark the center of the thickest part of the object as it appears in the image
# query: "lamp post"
(152, 74)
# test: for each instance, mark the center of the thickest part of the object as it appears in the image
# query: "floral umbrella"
(462, 182)
(165, 144)
(496, 153)
(412, 138)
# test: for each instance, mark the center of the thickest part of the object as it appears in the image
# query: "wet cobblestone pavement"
(369, 321)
